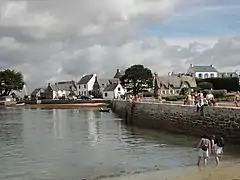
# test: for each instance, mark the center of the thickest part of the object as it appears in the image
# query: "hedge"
(228, 83)
(216, 93)
(205, 85)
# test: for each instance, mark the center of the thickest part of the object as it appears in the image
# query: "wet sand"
(226, 171)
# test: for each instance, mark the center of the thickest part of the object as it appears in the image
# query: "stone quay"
(223, 121)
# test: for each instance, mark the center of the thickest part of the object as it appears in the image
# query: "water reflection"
(59, 123)
(12, 129)
(82, 144)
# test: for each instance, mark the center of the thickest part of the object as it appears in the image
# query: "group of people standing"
(199, 100)
(207, 146)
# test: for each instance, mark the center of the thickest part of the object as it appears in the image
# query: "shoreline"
(226, 170)
(59, 106)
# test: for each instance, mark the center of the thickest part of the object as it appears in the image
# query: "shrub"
(197, 89)
(219, 93)
(174, 98)
(205, 85)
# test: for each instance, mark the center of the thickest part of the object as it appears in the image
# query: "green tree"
(137, 79)
(205, 85)
(10, 80)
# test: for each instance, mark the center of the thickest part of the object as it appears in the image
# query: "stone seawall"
(181, 119)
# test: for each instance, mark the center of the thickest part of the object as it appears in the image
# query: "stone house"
(38, 93)
(65, 89)
(57, 90)
(172, 84)
(202, 71)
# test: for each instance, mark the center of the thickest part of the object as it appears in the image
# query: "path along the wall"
(223, 121)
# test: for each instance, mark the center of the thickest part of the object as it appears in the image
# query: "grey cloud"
(63, 40)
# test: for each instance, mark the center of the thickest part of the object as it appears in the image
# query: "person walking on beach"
(217, 148)
(204, 147)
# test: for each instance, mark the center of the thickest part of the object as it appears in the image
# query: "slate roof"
(66, 85)
(35, 91)
(54, 87)
(203, 69)
(175, 81)
(103, 81)
(111, 87)
(118, 74)
(85, 79)
(115, 80)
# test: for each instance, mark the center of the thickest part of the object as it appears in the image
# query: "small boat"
(104, 110)
(20, 104)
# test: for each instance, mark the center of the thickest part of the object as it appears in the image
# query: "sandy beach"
(226, 171)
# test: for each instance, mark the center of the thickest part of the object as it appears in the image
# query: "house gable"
(85, 79)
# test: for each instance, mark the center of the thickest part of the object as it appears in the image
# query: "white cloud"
(58, 40)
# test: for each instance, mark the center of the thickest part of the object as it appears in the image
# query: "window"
(79, 86)
(200, 75)
(212, 75)
(206, 75)
(177, 91)
(85, 93)
(171, 92)
(85, 86)
(103, 85)
(105, 95)
(119, 89)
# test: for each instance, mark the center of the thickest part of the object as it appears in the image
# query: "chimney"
(118, 70)
(191, 65)
(211, 65)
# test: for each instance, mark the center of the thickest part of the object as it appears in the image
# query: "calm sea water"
(61, 144)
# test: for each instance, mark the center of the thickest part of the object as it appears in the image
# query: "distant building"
(119, 74)
(229, 74)
(113, 91)
(101, 84)
(56, 90)
(85, 85)
(172, 84)
(203, 71)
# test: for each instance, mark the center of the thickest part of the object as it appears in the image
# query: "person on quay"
(204, 148)
(237, 99)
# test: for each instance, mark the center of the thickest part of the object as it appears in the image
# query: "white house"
(113, 91)
(85, 85)
(202, 71)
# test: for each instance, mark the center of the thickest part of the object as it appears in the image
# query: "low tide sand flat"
(226, 171)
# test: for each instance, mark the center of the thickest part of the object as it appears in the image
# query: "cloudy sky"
(51, 40)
